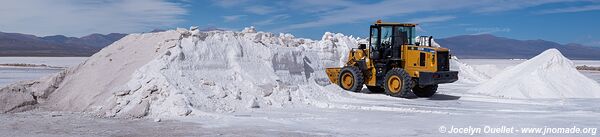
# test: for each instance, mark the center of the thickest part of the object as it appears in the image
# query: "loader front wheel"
(397, 83)
(426, 91)
(351, 78)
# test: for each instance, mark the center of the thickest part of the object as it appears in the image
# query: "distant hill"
(16, 44)
(464, 46)
(490, 46)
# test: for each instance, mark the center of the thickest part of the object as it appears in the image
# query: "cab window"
(386, 36)
(407, 34)
(374, 38)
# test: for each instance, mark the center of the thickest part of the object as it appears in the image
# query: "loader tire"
(375, 89)
(351, 78)
(397, 83)
(426, 91)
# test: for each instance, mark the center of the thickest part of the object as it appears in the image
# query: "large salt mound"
(223, 72)
(548, 75)
(181, 72)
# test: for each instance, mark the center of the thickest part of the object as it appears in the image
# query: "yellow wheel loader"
(395, 62)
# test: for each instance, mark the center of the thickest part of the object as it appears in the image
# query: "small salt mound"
(467, 73)
(489, 70)
(250, 29)
(435, 44)
(548, 75)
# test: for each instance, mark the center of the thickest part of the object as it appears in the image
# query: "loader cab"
(386, 40)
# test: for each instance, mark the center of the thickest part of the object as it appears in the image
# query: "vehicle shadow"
(437, 96)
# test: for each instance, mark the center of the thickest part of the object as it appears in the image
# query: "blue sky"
(563, 21)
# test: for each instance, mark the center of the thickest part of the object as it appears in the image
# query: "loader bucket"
(333, 74)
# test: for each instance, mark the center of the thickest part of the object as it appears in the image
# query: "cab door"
(375, 43)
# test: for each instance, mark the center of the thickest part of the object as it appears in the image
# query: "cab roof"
(381, 23)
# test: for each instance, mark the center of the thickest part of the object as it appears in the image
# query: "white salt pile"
(467, 73)
(548, 75)
(188, 72)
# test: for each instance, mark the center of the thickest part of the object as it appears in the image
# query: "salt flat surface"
(69, 124)
(360, 114)
(595, 63)
(13, 74)
(10, 74)
(595, 75)
(50, 61)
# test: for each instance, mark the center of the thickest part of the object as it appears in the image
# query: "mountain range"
(483, 46)
(488, 46)
(16, 44)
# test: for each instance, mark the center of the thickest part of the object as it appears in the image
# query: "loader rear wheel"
(426, 91)
(351, 78)
(397, 83)
(376, 89)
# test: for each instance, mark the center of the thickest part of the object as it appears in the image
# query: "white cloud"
(272, 20)
(81, 17)
(432, 19)
(228, 3)
(507, 5)
(429, 20)
(350, 12)
(315, 6)
(233, 18)
(572, 9)
(259, 9)
(361, 12)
